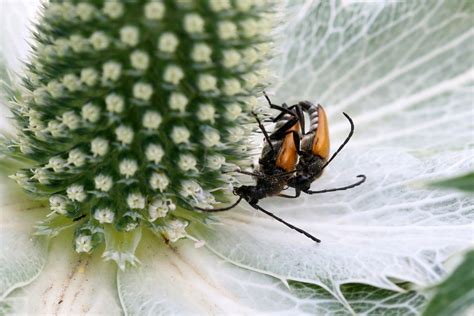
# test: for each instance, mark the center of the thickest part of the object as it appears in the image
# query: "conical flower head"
(132, 110)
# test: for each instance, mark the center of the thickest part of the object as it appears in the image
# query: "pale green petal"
(402, 70)
(389, 229)
(183, 280)
(22, 256)
(69, 285)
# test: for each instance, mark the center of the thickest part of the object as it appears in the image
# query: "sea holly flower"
(401, 70)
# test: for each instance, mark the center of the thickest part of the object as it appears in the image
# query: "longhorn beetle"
(313, 149)
(278, 167)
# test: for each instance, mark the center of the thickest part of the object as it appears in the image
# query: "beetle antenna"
(362, 180)
(212, 210)
(299, 230)
(344, 143)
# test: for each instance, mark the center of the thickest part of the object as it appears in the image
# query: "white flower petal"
(22, 256)
(70, 284)
(189, 281)
(388, 229)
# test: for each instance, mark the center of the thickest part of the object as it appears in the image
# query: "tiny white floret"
(187, 162)
(61, 46)
(71, 120)
(211, 137)
(175, 230)
(128, 167)
(55, 128)
(173, 74)
(71, 82)
(136, 201)
(233, 111)
(193, 23)
(168, 42)
(219, 5)
(99, 40)
(113, 9)
(178, 101)
(180, 135)
(250, 56)
(56, 163)
(131, 226)
(58, 204)
(154, 10)
(53, 10)
(201, 53)
(76, 157)
(227, 30)
(206, 112)
(40, 95)
(124, 134)
(68, 11)
(35, 123)
(231, 58)
(250, 28)
(114, 103)
(154, 153)
(190, 188)
(207, 82)
(83, 243)
(76, 192)
(139, 60)
(41, 174)
(85, 11)
(151, 120)
(99, 146)
(243, 5)
(231, 87)
(250, 81)
(90, 113)
(103, 182)
(111, 70)
(78, 43)
(215, 162)
(159, 208)
(129, 35)
(235, 134)
(142, 91)
(251, 103)
(89, 76)
(55, 89)
(159, 181)
(104, 215)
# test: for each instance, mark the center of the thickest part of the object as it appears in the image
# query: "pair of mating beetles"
(291, 157)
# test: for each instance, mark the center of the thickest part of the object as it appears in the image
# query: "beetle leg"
(284, 110)
(257, 175)
(300, 115)
(283, 130)
(277, 107)
(297, 194)
(363, 178)
(297, 140)
(212, 210)
(262, 128)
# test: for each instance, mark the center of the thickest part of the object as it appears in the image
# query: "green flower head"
(132, 110)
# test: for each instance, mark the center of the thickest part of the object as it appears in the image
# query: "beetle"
(276, 166)
(313, 149)
(291, 158)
